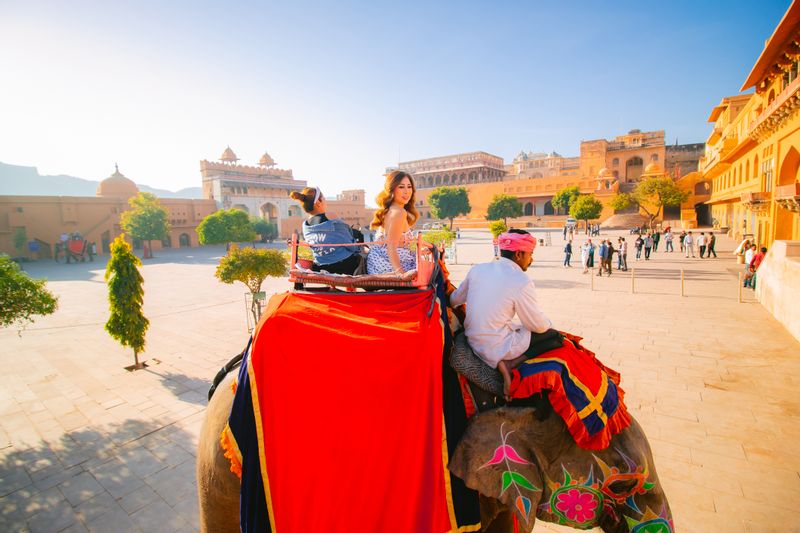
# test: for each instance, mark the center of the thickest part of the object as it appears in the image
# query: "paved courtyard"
(86, 445)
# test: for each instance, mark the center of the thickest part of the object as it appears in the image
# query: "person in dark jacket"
(319, 229)
(567, 253)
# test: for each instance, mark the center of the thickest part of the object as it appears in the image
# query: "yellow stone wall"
(752, 157)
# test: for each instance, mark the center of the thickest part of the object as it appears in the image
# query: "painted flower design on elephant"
(576, 503)
(579, 507)
(623, 486)
(651, 522)
(506, 454)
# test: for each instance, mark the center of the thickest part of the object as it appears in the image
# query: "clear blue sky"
(338, 91)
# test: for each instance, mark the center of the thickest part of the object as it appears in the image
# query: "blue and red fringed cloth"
(583, 391)
(340, 420)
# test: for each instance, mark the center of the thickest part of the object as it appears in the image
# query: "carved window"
(766, 170)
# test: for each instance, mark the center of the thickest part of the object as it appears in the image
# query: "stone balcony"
(757, 202)
(788, 196)
(785, 105)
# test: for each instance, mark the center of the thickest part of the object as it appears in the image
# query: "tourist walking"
(688, 244)
(565, 232)
(712, 242)
(609, 256)
(602, 253)
(668, 241)
(623, 254)
(638, 244)
(701, 244)
(567, 253)
(585, 256)
(648, 246)
(682, 238)
(592, 248)
(656, 239)
(619, 255)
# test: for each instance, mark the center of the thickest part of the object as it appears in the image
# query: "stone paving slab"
(87, 446)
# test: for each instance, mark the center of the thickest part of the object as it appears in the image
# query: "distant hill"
(26, 181)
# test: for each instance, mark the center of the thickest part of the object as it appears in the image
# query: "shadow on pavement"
(89, 476)
(187, 389)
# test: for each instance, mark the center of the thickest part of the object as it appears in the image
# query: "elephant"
(519, 462)
(217, 486)
(534, 468)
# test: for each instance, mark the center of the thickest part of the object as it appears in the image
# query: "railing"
(755, 197)
(788, 196)
(780, 99)
(787, 191)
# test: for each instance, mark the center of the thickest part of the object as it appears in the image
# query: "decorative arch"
(184, 241)
(528, 209)
(269, 212)
(702, 188)
(633, 168)
(548, 208)
(790, 167)
(789, 174)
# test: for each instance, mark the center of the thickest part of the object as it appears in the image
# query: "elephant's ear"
(493, 459)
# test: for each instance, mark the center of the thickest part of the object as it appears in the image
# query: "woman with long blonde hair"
(393, 219)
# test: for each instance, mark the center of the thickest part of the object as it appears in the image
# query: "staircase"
(624, 221)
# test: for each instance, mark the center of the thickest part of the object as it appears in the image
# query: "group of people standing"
(705, 245)
(605, 251)
(752, 260)
(644, 245)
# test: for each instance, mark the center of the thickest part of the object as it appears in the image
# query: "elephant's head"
(536, 469)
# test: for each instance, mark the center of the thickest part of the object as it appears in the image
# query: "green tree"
(22, 297)
(251, 266)
(586, 207)
(621, 201)
(449, 203)
(497, 227)
(20, 238)
(651, 195)
(127, 323)
(268, 230)
(224, 227)
(563, 199)
(147, 220)
(504, 206)
(443, 237)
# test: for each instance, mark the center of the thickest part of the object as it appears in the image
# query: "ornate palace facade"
(263, 191)
(604, 168)
(752, 159)
(458, 169)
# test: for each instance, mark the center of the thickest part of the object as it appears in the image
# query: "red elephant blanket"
(583, 391)
(345, 392)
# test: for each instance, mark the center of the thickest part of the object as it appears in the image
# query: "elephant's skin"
(536, 467)
(217, 487)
